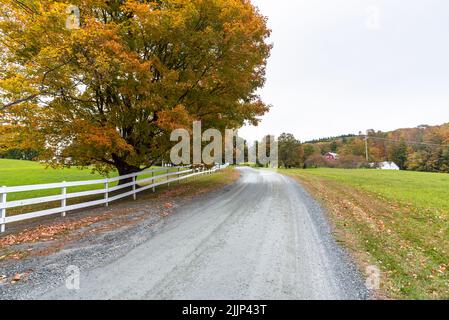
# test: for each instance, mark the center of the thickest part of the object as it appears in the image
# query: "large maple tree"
(108, 94)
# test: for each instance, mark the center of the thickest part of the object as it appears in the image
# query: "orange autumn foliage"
(108, 93)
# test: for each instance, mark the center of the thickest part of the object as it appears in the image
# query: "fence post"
(64, 199)
(106, 194)
(134, 188)
(153, 180)
(3, 211)
(168, 178)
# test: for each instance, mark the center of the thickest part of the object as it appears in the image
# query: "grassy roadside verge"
(398, 221)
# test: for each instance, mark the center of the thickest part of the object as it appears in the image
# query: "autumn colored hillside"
(424, 148)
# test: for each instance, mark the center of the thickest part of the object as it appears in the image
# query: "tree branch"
(9, 105)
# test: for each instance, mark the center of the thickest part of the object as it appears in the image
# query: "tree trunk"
(124, 169)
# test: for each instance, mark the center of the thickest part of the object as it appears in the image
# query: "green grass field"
(423, 190)
(396, 220)
(17, 172)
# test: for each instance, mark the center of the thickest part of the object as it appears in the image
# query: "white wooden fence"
(152, 182)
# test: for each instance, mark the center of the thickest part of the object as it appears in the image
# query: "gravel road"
(264, 238)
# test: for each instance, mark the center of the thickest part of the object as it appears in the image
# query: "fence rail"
(136, 186)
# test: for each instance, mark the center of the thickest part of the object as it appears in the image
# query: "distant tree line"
(18, 154)
(424, 148)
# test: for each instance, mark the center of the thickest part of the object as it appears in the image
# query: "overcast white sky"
(344, 66)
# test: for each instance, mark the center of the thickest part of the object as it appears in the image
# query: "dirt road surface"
(262, 238)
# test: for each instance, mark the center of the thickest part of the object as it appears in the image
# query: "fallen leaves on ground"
(19, 277)
(47, 233)
(16, 277)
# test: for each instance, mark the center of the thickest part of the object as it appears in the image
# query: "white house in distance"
(331, 156)
(386, 165)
